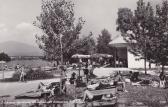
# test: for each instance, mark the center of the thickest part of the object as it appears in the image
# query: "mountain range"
(13, 48)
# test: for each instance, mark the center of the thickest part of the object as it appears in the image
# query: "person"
(17, 67)
(41, 86)
(118, 79)
(92, 69)
(6, 67)
(162, 79)
(22, 74)
(73, 78)
(86, 73)
(47, 89)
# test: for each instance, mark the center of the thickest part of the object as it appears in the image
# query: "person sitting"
(118, 80)
(134, 76)
(41, 87)
(51, 89)
(93, 86)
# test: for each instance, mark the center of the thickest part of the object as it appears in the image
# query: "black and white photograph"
(83, 53)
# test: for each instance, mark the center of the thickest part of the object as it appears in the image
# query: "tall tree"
(57, 23)
(160, 40)
(103, 41)
(137, 28)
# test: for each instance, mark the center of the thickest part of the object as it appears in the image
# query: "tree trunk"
(162, 68)
(145, 64)
(149, 64)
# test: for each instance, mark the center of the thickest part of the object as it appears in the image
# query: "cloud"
(22, 32)
(3, 28)
(4, 32)
(2, 25)
(24, 26)
(98, 14)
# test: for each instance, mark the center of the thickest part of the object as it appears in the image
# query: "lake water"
(29, 63)
(26, 63)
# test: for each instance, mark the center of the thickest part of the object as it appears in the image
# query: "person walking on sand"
(22, 74)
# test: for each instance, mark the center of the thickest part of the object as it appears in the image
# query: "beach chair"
(93, 95)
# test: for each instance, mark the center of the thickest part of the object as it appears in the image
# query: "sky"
(17, 16)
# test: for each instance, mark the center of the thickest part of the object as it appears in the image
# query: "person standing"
(22, 74)
(17, 68)
(162, 79)
(86, 73)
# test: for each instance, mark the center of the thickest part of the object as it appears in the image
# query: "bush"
(16, 76)
(33, 75)
(38, 74)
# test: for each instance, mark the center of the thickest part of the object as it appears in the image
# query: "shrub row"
(33, 75)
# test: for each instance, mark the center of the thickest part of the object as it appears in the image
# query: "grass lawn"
(148, 95)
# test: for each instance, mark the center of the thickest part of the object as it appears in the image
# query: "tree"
(160, 39)
(103, 41)
(85, 45)
(137, 29)
(59, 30)
(4, 57)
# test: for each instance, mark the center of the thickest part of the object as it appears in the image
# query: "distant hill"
(13, 48)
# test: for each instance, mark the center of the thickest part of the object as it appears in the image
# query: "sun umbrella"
(97, 55)
(80, 56)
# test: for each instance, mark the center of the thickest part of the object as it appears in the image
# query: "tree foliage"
(4, 57)
(137, 27)
(160, 39)
(56, 19)
(103, 41)
(85, 45)
(146, 31)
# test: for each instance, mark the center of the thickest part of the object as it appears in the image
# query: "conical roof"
(118, 42)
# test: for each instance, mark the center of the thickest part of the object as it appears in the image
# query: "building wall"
(134, 63)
